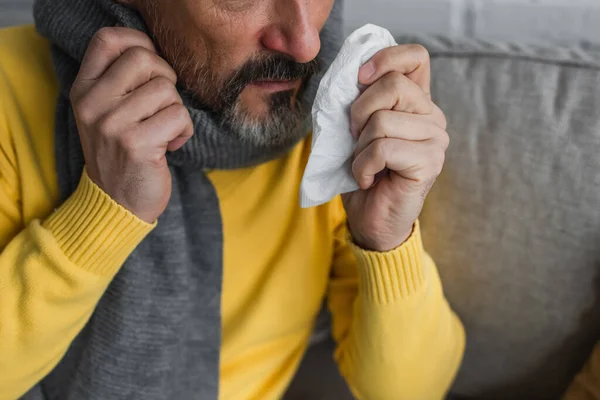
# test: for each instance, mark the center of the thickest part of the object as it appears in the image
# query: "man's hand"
(129, 114)
(401, 147)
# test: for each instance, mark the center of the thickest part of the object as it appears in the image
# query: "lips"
(275, 86)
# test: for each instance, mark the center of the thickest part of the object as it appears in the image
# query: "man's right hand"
(129, 114)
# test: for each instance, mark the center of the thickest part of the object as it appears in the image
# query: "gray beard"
(284, 124)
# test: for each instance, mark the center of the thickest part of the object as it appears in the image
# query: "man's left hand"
(401, 147)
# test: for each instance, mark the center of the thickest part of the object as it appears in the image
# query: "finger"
(411, 60)
(169, 129)
(397, 125)
(134, 68)
(439, 117)
(178, 142)
(104, 49)
(393, 91)
(416, 161)
(146, 101)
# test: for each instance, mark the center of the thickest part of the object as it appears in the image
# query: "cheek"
(175, 29)
(322, 10)
(225, 41)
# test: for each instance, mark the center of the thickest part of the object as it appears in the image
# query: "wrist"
(383, 243)
(94, 231)
(127, 199)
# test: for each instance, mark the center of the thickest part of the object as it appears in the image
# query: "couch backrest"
(514, 220)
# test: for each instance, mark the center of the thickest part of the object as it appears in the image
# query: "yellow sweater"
(586, 385)
(397, 337)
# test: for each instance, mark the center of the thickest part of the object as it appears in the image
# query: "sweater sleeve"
(53, 273)
(397, 337)
(586, 385)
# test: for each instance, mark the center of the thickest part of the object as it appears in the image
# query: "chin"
(261, 107)
(256, 105)
(268, 122)
(258, 110)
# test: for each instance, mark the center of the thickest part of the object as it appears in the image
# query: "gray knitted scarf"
(156, 332)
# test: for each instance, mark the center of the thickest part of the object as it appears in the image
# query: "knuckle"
(397, 78)
(155, 158)
(397, 82)
(157, 161)
(445, 140)
(74, 93)
(173, 97)
(141, 57)
(165, 89)
(129, 144)
(380, 149)
(439, 135)
(181, 113)
(85, 110)
(421, 52)
(164, 85)
(378, 119)
(443, 121)
(108, 125)
(106, 38)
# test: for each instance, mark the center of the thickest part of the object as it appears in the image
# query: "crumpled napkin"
(329, 169)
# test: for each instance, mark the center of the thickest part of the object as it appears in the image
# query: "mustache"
(274, 67)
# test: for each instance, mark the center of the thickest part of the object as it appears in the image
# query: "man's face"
(245, 60)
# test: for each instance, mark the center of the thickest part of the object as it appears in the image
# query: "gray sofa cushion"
(514, 220)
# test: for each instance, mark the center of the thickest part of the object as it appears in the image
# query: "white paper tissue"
(329, 169)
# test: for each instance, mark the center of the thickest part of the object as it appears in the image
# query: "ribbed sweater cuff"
(94, 231)
(393, 275)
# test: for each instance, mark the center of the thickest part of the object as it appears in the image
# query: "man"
(152, 242)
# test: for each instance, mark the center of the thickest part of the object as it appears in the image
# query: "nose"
(293, 31)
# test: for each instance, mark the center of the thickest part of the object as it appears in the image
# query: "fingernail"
(366, 72)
